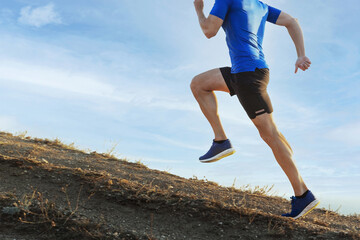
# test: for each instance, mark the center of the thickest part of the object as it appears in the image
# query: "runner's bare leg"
(203, 87)
(281, 149)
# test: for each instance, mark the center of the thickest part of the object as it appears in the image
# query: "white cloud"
(147, 160)
(9, 123)
(78, 83)
(40, 16)
(170, 141)
(83, 84)
(349, 134)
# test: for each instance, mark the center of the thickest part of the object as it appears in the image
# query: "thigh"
(250, 88)
(255, 104)
(211, 80)
(264, 122)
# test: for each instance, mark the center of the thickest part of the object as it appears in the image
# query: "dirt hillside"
(49, 190)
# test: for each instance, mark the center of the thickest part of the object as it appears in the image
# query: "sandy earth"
(52, 191)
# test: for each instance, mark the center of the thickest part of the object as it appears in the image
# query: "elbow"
(292, 22)
(209, 34)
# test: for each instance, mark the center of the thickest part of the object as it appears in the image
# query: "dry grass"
(34, 213)
(258, 190)
(121, 182)
(111, 152)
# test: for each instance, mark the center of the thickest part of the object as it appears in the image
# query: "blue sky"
(118, 72)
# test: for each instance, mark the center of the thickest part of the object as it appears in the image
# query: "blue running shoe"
(302, 206)
(217, 152)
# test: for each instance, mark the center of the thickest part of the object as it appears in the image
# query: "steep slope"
(52, 191)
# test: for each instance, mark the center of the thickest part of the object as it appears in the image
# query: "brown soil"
(49, 190)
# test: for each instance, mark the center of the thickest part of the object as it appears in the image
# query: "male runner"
(244, 22)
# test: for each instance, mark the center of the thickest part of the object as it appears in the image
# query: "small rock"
(11, 210)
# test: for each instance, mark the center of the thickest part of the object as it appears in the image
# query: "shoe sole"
(308, 209)
(219, 156)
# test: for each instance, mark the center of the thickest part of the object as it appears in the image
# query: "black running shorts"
(250, 88)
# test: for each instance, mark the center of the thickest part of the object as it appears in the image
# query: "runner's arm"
(210, 25)
(296, 34)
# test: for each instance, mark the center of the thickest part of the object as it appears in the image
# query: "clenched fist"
(303, 63)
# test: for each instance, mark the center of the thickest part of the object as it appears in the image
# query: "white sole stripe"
(219, 155)
(308, 208)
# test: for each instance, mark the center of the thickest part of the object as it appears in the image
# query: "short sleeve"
(273, 15)
(221, 8)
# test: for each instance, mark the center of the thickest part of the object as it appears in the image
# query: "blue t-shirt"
(244, 25)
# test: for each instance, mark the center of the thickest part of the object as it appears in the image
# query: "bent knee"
(195, 84)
